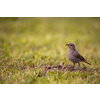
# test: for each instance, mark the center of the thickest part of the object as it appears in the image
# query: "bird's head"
(71, 46)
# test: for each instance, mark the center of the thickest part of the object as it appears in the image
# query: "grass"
(32, 50)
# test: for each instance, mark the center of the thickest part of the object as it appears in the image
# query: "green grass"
(29, 45)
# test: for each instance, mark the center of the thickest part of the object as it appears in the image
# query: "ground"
(32, 50)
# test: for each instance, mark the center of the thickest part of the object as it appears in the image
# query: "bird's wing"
(76, 54)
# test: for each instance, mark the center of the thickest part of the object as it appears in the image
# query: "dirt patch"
(47, 68)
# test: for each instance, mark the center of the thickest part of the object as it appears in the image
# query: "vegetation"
(32, 50)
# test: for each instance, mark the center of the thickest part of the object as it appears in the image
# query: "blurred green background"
(40, 40)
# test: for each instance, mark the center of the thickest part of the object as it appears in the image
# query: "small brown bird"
(74, 56)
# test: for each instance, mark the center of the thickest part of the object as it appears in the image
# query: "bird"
(74, 56)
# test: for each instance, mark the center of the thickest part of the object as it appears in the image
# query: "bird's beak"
(66, 44)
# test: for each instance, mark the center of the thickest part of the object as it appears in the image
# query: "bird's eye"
(70, 45)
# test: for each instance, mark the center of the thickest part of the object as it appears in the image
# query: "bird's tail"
(87, 62)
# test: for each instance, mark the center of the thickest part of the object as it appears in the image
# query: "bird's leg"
(78, 65)
(74, 64)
